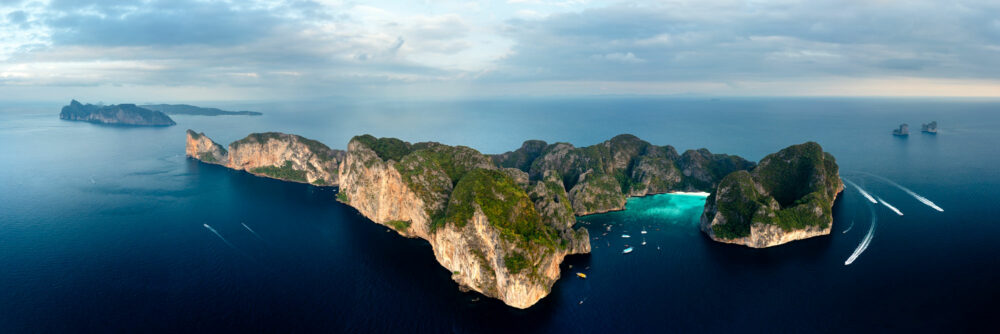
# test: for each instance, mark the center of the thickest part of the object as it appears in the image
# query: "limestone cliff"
(202, 148)
(788, 196)
(272, 154)
(600, 177)
(498, 233)
(121, 114)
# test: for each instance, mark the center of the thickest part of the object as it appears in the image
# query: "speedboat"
(626, 236)
(627, 250)
(643, 231)
(581, 275)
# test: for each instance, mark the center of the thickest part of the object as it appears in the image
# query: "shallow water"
(102, 228)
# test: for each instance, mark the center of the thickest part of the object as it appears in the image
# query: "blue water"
(102, 229)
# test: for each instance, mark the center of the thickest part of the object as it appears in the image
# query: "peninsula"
(121, 114)
(186, 109)
(502, 224)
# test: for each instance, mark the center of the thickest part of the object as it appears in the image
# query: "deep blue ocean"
(101, 227)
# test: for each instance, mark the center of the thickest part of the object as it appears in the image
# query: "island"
(788, 196)
(902, 131)
(121, 114)
(501, 224)
(186, 109)
(930, 128)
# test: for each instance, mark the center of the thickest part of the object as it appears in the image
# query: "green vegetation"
(386, 148)
(284, 172)
(515, 262)
(505, 204)
(207, 157)
(399, 225)
(319, 182)
(799, 179)
(738, 207)
(323, 152)
(257, 138)
(342, 197)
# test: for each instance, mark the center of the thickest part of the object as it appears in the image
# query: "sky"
(149, 50)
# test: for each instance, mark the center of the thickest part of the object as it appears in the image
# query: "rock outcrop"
(200, 147)
(499, 233)
(272, 154)
(930, 128)
(902, 131)
(121, 114)
(602, 176)
(788, 196)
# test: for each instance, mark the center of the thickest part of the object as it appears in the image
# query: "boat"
(643, 242)
(626, 236)
(581, 275)
(609, 227)
(643, 231)
(627, 250)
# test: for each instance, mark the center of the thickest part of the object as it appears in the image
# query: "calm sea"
(102, 229)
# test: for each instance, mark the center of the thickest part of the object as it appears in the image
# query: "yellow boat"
(582, 275)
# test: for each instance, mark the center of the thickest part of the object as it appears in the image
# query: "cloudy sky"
(285, 50)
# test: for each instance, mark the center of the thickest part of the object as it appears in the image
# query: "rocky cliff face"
(122, 114)
(200, 147)
(497, 232)
(602, 176)
(788, 196)
(275, 155)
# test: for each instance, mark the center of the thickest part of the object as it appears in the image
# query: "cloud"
(730, 40)
(305, 47)
(618, 57)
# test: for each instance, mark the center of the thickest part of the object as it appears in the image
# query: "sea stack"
(904, 130)
(788, 196)
(930, 128)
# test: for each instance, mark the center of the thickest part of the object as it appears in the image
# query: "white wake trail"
(894, 209)
(221, 237)
(867, 240)
(849, 227)
(252, 231)
(908, 192)
(862, 191)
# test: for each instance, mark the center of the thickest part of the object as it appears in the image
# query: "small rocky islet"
(502, 224)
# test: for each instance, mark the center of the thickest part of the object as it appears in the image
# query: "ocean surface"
(106, 229)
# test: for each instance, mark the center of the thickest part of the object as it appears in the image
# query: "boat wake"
(862, 191)
(908, 192)
(221, 237)
(867, 239)
(894, 209)
(251, 231)
(849, 227)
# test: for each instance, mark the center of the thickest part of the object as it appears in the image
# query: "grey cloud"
(692, 42)
(131, 23)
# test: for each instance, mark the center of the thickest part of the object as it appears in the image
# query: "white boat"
(644, 243)
(626, 236)
(627, 250)
(643, 231)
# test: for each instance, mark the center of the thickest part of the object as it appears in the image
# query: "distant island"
(186, 109)
(930, 128)
(902, 131)
(502, 224)
(121, 114)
